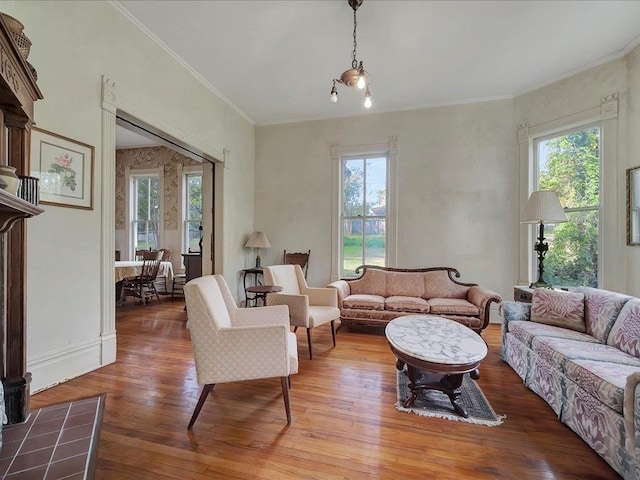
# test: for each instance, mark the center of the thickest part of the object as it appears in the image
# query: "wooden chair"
(232, 344)
(179, 280)
(298, 258)
(166, 254)
(143, 285)
(162, 278)
(145, 255)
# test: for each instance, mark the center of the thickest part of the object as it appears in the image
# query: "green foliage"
(573, 171)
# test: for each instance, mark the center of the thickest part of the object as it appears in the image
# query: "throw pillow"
(558, 308)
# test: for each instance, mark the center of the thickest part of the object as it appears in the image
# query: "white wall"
(557, 105)
(632, 159)
(457, 174)
(74, 44)
(460, 183)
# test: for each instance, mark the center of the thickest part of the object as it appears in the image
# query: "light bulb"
(334, 97)
(361, 82)
(367, 102)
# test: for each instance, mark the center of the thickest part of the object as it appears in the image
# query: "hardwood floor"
(344, 424)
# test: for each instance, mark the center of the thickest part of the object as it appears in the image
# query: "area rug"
(432, 403)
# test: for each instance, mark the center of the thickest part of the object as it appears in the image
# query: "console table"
(192, 265)
(522, 293)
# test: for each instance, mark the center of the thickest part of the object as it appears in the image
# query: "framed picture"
(65, 169)
(633, 206)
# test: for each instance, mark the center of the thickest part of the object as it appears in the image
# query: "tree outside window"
(193, 211)
(569, 164)
(146, 210)
(364, 211)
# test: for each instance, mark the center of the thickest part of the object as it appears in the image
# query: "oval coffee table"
(437, 353)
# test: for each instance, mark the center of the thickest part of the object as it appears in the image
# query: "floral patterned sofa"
(381, 294)
(580, 352)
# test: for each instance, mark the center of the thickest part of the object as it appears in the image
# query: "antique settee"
(381, 294)
(580, 352)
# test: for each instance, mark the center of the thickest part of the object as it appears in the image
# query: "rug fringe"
(452, 416)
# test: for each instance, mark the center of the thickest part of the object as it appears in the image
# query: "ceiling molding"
(179, 59)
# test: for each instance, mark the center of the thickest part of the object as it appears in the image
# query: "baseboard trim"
(60, 365)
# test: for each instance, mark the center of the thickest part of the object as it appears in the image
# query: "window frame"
(612, 267)
(131, 175)
(338, 153)
(536, 140)
(184, 174)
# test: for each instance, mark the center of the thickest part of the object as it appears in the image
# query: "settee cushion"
(364, 301)
(438, 285)
(625, 333)
(559, 308)
(601, 309)
(526, 331)
(401, 303)
(603, 380)
(374, 282)
(558, 351)
(405, 284)
(453, 306)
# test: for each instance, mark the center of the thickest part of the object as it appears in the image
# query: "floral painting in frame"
(64, 168)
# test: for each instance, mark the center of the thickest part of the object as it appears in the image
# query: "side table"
(522, 293)
(253, 274)
(260, 292)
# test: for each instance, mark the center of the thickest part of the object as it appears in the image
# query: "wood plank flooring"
(344, 424)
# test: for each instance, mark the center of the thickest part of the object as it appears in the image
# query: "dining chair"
(161, 279)
(143, 285)
(298, 258)
(308, 307)
(232, 344)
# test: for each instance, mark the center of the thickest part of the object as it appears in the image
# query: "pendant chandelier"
(356, 76)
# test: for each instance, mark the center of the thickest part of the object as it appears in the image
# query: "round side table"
(260, 292)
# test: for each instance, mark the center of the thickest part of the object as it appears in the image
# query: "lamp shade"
(543, 207)
(258, 240)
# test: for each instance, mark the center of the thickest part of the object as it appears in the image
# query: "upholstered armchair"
(233, 344)
(308, 307)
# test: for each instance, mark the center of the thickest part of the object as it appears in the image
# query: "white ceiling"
(274, 60)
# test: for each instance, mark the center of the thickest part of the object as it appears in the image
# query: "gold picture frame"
(64, 168)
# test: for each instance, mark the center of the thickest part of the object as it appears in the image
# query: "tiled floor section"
(56, 442)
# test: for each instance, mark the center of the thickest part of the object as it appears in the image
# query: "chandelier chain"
(354, 62)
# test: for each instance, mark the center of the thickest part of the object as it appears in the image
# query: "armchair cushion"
(320, 314)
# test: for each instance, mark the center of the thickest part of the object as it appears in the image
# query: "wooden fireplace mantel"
(18, 93)
(13, 208)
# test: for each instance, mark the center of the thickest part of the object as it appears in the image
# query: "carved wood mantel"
(18, 93)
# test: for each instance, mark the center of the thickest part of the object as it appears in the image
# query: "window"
(364, 212)
(192, 214)
(145, 206)
(569, 164)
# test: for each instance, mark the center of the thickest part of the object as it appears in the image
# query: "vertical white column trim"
(335, 212)
(108, 162)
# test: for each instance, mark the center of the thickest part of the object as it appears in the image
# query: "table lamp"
(258, 240)
(543, 207)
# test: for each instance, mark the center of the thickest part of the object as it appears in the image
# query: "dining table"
(131, 268)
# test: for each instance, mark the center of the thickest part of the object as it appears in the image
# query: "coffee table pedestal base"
(447, 384)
